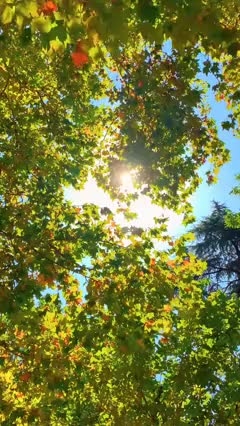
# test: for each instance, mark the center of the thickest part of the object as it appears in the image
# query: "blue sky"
(202, 199)
(226, 179)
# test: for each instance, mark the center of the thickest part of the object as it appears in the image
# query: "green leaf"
(27, 9)
(58, 32)
(42, 24)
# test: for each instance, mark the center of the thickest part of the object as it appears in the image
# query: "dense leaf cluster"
(98, 327)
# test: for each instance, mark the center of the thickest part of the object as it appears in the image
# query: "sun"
(143, 206)
(127, 184)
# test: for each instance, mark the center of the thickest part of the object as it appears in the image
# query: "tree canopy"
(219, 245)
(129, 337)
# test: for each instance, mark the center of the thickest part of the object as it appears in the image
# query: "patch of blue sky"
(205, 194)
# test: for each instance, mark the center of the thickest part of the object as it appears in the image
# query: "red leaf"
(49, 7)
(79, 59)
(106, 317)
(25, 377)
(210, 179)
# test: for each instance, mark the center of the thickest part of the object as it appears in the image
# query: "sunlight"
(126, 180)
(146, 211)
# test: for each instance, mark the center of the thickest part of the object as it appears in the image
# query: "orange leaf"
(49, 7)
(41, 279)
(149, 324)
(20, 334)
(79, 59)
(167, 308)
(19, 395)
(164, 340)
(87, 131)
(56, 343)
(171, 263)
(66, 341)
(59, 395)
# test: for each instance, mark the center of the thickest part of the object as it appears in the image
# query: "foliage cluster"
(87, 87)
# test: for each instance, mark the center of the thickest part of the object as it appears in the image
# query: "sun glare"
(126, 180)
(143, 207)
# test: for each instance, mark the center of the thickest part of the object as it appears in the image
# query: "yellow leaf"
(42, 24)
(19, 20)
(8, 14)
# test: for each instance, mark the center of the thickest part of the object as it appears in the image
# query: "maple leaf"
(171, 263)
(106, 317)
(59, 395)
(49, 7)
(19, 395)
(20, 334)
(210, 179)
(164, 340)
(79, 59)
(149, 324)
(167, 308)
(25, 377)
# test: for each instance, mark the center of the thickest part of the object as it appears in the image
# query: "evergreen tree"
(219, 245)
